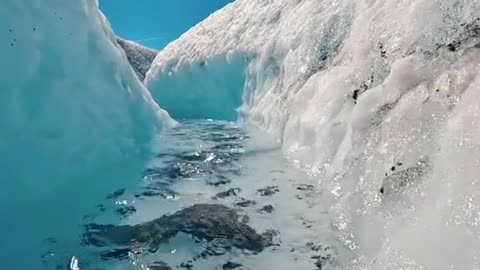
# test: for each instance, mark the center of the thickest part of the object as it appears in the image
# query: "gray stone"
(207, 222)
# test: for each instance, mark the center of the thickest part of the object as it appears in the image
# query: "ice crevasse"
(72, 114)
(377, 99)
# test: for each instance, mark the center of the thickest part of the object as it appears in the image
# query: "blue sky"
(154, 23)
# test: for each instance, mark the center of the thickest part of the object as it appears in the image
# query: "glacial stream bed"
(216, 195)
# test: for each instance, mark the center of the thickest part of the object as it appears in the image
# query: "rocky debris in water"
(116, 194)
(322, 261)
(217, 247)
(90, 217)
(118, 254)
(218, 181)
(272, 235)
(323, 258)
(175, 170)
(398, 181)
(100, 207)
(159, 265)
(228, 193)
(307, 223)
(245, 203)
(126, 210)
(207, 222)
(149, 193)
(157, 192)
(187, 265)
(304, 187)
(314, 247)
(231, 265)
(228, 146)
(268, 191)
(267, 209)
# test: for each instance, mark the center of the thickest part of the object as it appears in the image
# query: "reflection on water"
(216, 195)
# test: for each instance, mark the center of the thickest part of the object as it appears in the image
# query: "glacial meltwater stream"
(216, 195)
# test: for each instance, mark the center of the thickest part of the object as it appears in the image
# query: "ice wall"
(73, 120)
(210, 89)
(376, 98)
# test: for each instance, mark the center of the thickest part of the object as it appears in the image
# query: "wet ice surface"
(215, 196)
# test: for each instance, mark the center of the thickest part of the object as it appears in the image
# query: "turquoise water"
(216, 163)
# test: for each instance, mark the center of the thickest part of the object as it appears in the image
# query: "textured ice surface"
(139, 57)
(377, 99)
(200, 90)
(73, 116)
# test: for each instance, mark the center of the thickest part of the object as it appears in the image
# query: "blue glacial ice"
(73, 117)
(215, 87)
(374, 104)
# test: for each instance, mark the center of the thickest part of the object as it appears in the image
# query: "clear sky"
(154, 23)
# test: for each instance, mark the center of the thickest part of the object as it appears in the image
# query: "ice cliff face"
(72, 116)
(139, 57)
(379, 99)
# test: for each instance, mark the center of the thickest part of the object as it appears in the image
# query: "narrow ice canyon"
(280, 134)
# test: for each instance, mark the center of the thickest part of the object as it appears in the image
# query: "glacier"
(72, 115)
(378, 100)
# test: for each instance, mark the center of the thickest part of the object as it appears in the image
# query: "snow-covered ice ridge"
(379, 99)
(139, 57)
(73, 116)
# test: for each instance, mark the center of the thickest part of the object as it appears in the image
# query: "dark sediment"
(229, 193)
(159, 266)
(267, 209)
(268, 191)
(217, 225)
(230, 266)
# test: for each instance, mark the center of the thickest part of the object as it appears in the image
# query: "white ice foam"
(353, 89)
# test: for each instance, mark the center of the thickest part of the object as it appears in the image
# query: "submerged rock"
(187, 265)
(305, 187)
(267, 209)
(245, 203)
(218, 181)
(211, 223)
(231, 265)
(268, 191)
(126, 210)
(159, 265)
(116, 194)
(228, 193)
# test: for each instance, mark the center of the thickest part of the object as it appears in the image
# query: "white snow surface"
(377, 98)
